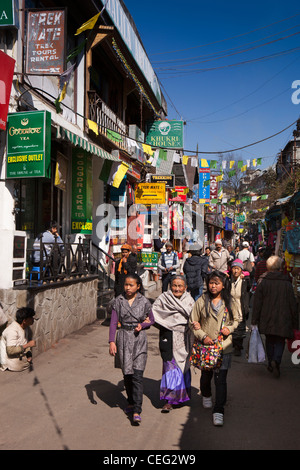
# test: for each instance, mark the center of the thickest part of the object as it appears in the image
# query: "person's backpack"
(247, 265)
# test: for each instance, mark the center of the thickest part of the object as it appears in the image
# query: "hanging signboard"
(7, 65)
(181, 194)
(29, 145)
(9, 14)
(165, 134)
(150, 193)
(82, 193)
(149, 260)
(169, 180)
(46, 41)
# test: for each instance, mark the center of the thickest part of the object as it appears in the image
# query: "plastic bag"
(256, 348)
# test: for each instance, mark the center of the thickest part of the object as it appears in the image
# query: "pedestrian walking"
(168, 264)
(171, 312)
(126, 265)
(195, 269)
(275, 311)
(133, 312)
(219, 257)
(240, 292)
(214, 313)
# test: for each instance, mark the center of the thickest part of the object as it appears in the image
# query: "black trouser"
(134, 389)
(166, 279)
(220, 376)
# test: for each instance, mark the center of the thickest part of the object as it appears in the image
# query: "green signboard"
(82, 192)
(165, 134)
(9, 13)
(29, 145)
(149, 260)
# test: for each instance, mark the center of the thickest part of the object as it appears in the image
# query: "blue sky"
(232, 105)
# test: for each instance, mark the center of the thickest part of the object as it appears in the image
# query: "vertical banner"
(204, 177)
(46, 38)
(7, 65)
(82, 195)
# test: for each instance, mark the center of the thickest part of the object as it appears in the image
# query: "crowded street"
(149, 228)
(75, 394)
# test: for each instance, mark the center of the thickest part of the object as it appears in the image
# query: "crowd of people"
(205, 294)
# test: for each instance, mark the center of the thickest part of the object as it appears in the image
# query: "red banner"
(7, 65)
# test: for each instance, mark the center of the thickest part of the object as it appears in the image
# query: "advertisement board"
(46, 42)
(150, 193)
(29, 145)
(165, 134)
(9, 14)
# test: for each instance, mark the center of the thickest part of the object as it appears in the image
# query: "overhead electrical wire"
(226, 39)
(257, 59)
(211, 58)
(225, 50)
(244, 97)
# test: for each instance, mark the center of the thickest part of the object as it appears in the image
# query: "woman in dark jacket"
(275, 311)
(195, 270)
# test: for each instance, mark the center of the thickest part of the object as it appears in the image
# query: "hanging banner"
(82, 192)
(165, 134)
(7, 65)
(46, 40)
(213, 187)
(29, 145)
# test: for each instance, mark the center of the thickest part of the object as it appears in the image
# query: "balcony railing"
(59, 262)
(108, 122)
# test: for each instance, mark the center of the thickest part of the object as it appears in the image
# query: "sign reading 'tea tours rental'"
(29, 145)
(165, 134)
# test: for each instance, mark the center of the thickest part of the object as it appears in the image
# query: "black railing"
(55, 262)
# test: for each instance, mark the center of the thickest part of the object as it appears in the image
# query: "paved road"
(73, 399)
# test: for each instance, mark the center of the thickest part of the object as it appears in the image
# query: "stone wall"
(60, 309)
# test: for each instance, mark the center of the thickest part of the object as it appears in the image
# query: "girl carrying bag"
(208, 357)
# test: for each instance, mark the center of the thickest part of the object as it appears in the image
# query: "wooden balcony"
(109, 125)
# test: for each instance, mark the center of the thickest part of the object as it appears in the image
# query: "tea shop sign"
(28, 145)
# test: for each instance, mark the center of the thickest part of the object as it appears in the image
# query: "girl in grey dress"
(133, 312)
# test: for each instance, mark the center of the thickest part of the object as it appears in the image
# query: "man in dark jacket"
(275, 311)
(195, 270)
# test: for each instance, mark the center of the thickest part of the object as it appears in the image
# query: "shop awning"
(85, 144)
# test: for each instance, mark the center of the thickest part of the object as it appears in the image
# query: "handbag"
(210, 356)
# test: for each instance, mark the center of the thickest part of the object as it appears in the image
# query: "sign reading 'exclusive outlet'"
(29, 145)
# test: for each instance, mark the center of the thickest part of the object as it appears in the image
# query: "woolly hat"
(238, 263)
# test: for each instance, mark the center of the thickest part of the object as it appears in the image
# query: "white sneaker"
(207, 402)
(218, 419)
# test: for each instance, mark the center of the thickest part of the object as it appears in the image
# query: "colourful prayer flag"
(185, 159)
(121, 172)
(93, 126)
(88, 24)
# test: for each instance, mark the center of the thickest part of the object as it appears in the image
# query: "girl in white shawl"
(171, 312)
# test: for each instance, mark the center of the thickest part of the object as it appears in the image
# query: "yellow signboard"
(150, 193)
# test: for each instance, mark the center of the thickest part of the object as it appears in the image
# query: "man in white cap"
(219, 257)
(246, 255)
